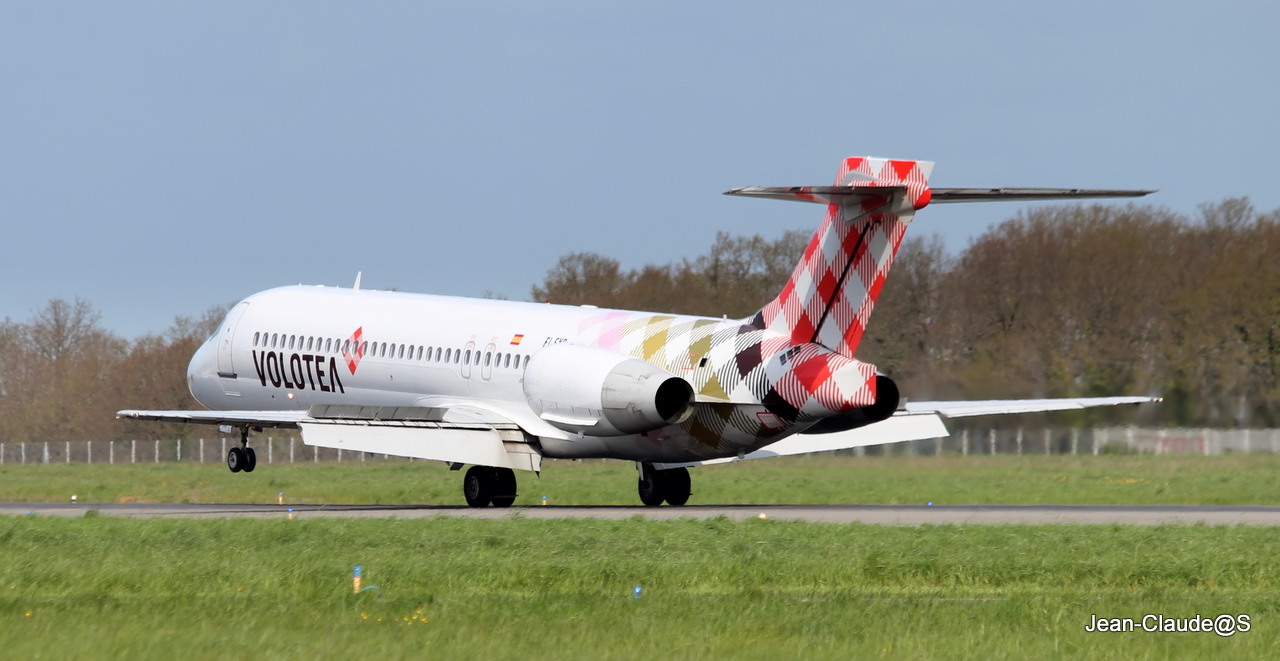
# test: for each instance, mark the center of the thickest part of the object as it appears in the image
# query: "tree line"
(63, 376)
(1060, 301)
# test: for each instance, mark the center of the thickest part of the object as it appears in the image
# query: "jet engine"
(603, 393)
(886, 403)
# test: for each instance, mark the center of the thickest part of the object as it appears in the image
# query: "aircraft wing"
(919, 421)
(406, 431)
(901, 427)
(278, 419)
(1008, 406)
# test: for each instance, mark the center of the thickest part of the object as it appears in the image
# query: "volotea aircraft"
(499, 385)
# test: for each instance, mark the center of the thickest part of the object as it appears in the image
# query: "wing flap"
(475, 445)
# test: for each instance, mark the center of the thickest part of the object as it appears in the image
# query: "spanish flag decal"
(517, 338)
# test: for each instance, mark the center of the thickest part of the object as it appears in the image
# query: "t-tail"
(830, 296)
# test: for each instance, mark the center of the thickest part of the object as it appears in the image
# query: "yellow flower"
(28, 613)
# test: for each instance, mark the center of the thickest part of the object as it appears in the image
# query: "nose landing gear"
(242, 458)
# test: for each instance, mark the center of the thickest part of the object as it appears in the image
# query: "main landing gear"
(483, 485)
(242, 458)
(655, 486)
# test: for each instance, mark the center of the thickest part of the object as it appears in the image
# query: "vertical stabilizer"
(831, 293)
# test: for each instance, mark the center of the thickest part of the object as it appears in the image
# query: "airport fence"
(1015, 441)
(269, 449)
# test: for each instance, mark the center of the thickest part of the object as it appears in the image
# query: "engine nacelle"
(603, 393)
(886, 404)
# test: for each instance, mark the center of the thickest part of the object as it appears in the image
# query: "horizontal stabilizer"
(816, 194)
(948, 195)
(841, 194)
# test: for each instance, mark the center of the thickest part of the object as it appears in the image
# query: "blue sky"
(157, 159)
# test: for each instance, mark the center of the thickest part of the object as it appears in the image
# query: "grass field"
(101, 587)
(1116, 479)
(513, 588)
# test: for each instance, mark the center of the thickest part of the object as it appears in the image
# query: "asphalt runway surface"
(877, 514)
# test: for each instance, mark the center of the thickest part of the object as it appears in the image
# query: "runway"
(908, 515)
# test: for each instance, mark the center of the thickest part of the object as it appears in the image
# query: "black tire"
(236, 459)
(477, 486)
(504, 487)
(675, 486)
(650, 488)
(250, 460)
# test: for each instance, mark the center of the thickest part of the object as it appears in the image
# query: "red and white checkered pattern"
(829, 297)
(763, 378)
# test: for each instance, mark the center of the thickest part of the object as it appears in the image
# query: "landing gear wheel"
(477, 486)
(650, 488)
(250, 460)
(504, 487)
(236, 460)
(675, 485)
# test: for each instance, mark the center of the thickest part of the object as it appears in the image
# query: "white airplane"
(498, 385)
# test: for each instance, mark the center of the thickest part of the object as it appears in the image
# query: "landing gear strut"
(655, 486)
(242, 458)
(483, 485)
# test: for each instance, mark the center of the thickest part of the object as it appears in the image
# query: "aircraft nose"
(201, 374)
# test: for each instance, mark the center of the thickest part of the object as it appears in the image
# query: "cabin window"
(419, 353)
(428, 354)
(507, 362)
(438, 354)
(401, 356)
(364, 348)
(448, 355)
(255, 339)
(274, 337)
(487, 357)
(468, 358)
(328, 345)
(311, 343)
(526, 362)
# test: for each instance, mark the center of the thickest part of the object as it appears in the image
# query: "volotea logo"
(356, 351)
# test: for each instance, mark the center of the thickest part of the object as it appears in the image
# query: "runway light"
(931, 503)
(290, 513)
(74, 497)
(544, 500)
(762, 516)
(355, 581)
(636, 592)
(280, 498)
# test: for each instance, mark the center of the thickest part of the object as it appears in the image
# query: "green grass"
(102, 587)
(1115, 479)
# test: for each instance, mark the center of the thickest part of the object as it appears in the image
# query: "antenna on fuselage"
(357, 285)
